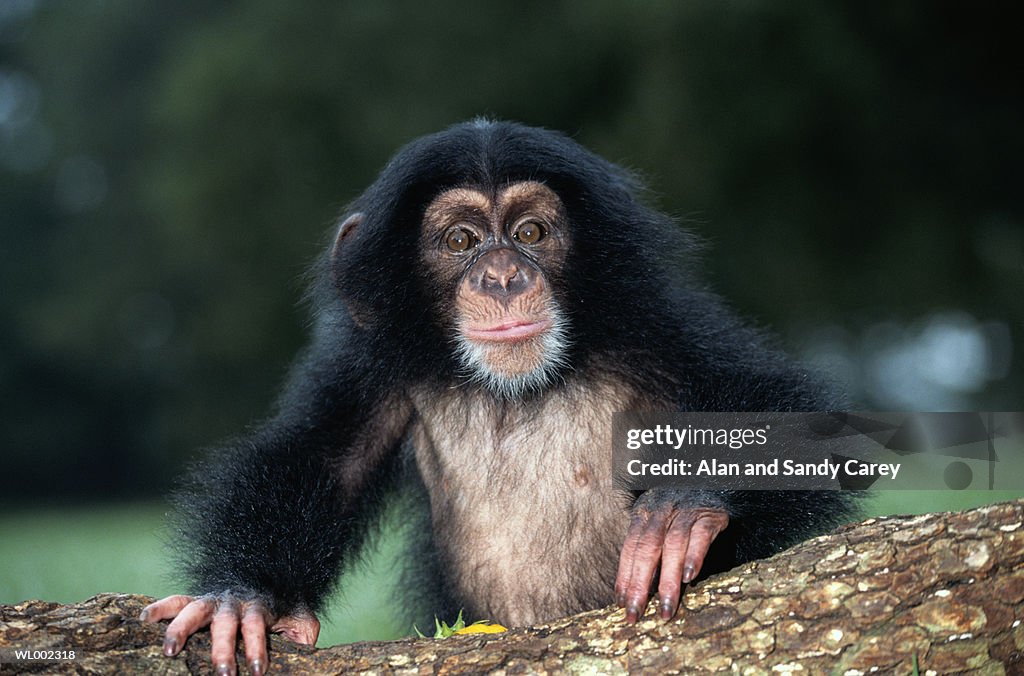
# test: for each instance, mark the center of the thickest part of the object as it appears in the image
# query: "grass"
(920, 502)
(69, 554)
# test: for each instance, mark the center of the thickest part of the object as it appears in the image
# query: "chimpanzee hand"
(225, 615)
(671, 528)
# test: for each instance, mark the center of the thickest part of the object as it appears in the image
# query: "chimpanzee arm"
(672, 529)
(265, 525)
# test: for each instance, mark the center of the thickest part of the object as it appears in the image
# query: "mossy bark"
(944, 589)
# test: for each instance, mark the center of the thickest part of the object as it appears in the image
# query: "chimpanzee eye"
(460, 239)
(529, 232)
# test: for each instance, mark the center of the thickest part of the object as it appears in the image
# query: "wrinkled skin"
(664, 530)
(226, 616)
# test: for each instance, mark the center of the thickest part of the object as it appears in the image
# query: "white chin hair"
(512, 386)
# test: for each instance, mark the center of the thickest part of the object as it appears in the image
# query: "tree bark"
(946, 590)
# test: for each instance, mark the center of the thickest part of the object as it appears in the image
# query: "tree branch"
(946, 589)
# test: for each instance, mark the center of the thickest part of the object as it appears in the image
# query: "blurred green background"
(167, 171)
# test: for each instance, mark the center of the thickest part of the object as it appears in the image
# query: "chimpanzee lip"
(508, 331)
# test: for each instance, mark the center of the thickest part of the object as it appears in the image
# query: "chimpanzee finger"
(223, 637)
(301, 627)
(706, 526)
(165, 608)
(639, 561)
(254, 635)
(191, 619)
(673, 557)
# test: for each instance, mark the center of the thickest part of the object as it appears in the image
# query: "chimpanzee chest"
(524, 513)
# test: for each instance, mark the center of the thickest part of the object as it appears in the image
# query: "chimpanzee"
(484, 308)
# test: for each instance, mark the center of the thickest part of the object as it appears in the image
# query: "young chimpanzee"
(486, 306)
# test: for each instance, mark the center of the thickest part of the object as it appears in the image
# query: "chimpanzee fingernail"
(144, 615)
(666, 609)
(224, 670)
(256, 667)
(170, 647)
(689, 573)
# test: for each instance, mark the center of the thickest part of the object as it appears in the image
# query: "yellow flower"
(481, 628)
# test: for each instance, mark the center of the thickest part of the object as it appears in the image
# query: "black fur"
(269, 516)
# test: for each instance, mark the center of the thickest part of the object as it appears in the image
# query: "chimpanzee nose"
(503, 273)
(500, 276)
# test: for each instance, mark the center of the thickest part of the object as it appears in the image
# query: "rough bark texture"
(947, 589)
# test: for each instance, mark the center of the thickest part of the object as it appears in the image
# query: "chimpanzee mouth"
(511, 330)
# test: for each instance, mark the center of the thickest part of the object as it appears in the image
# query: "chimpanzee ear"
(345, 230)
(342, 240)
